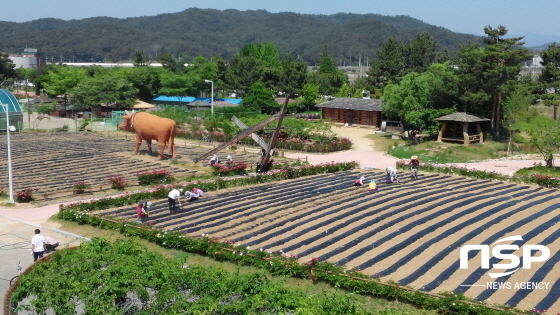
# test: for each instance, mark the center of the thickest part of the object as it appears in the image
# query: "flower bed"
(25, 195)
(237, 168)
(541, 180)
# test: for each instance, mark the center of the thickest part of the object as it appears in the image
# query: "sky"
(463, 16)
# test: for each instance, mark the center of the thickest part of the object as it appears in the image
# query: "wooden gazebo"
(448, 131)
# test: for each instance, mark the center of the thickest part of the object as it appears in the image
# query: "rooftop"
(370, 105)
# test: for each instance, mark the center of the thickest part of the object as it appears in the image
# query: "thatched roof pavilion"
(464, 119)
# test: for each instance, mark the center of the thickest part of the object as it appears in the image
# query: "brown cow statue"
(150, 127)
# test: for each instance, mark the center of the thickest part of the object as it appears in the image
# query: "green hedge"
(541, 180)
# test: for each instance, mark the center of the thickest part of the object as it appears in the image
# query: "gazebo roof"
(138, 104)
(461, 117)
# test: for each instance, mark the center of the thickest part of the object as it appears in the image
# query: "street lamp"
(8, 129)
(209, 81)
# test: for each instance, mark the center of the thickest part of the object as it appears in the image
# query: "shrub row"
(285, 264)
(161, 191)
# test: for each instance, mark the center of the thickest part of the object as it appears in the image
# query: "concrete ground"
(15, 238)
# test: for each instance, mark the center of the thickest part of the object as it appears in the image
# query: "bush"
(154, 177)
(25, 195)
(237, 168)
(80, 187)
(117, 182)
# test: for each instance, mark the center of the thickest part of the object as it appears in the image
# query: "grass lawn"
(383, 141)
(369, 303)
(432, 151)
(540, 170)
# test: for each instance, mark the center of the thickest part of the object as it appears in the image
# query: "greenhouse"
(14, 110)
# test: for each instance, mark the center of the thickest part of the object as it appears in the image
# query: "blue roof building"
(14, 110)
(195, 103)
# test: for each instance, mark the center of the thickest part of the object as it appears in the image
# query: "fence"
(68, 124)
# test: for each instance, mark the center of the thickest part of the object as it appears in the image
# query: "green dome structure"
(14, 110)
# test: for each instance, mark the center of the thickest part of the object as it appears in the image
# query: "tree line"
(415, 82)
(206, 32)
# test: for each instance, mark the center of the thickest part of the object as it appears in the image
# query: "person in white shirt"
(37, 245)
(172, 198)
(391, 175)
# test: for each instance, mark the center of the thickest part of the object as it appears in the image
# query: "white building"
(27, 59)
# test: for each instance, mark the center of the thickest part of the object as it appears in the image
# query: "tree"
(259, 97)
(61, 79)
(175, 85)
(328, 77)
(347, 91)
(502, 63)
(110, 89)
(242, 72)
(7, 67)
(310, 95)
(43, 112)
(419, 53)
(168, 62)
(204, 69)
(543, 133)
(291, 80)
(549, 89)
(146, 80)
(472, 93)
(516, 107)
(415, 99)
(389, 66)
(140, 59)
(265, 53)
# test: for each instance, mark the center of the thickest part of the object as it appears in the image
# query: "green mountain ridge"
(210, 33)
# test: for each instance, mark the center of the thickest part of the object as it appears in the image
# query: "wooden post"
(441, 131)
(479, 131)
(275, 134)
(466, 140)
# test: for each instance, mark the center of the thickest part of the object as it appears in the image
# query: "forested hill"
(209, 32)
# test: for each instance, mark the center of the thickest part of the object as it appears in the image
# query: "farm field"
(410, 233)
(50, 163)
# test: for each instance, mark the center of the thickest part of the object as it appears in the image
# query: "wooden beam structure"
(260, 141)
(240, 136)
(274, 139)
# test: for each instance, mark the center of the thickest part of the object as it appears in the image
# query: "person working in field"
(172, 197)
(414, 166)
(214, 160)
(191, 196)
(391, 175)
(373, 185)
(359, 181)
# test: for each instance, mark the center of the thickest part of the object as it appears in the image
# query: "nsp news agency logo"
(514, 265)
